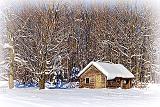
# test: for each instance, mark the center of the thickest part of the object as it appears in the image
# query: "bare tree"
(50, 39)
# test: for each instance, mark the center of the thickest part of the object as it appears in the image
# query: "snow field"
(33, 97)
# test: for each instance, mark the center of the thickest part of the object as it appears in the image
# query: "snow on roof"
(110, 70)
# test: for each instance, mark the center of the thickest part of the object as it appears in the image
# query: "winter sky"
(155, 4)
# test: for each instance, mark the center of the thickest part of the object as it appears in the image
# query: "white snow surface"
(33, 97)
(110, 70)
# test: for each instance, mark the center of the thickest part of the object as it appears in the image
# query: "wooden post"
(122, 83)
(129, 83)
(105, 82)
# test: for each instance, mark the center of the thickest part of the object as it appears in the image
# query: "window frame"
(87, 81)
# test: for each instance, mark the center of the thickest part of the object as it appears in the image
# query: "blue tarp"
(26, 85)
(58, 85)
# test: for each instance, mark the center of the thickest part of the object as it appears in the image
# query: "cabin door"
(98, 81)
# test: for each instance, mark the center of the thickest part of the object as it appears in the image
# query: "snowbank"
(3, 84)
(33, 97)
(154, 88)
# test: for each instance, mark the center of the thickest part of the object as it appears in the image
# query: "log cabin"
(105, 75)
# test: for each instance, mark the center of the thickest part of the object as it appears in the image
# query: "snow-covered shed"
(105, 75)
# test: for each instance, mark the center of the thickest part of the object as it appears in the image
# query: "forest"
(55, 41)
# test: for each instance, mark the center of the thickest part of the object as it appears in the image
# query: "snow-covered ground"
(32, 97)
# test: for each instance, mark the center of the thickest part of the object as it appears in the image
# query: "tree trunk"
(11, 54)
(11, 73)
(11, 83)
(42, 81)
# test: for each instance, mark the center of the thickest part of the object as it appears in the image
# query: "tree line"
(52, 39)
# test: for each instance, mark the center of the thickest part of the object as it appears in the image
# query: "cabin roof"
(110, 70)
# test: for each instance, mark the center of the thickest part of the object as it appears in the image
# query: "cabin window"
(125, 81)
(87, 80)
